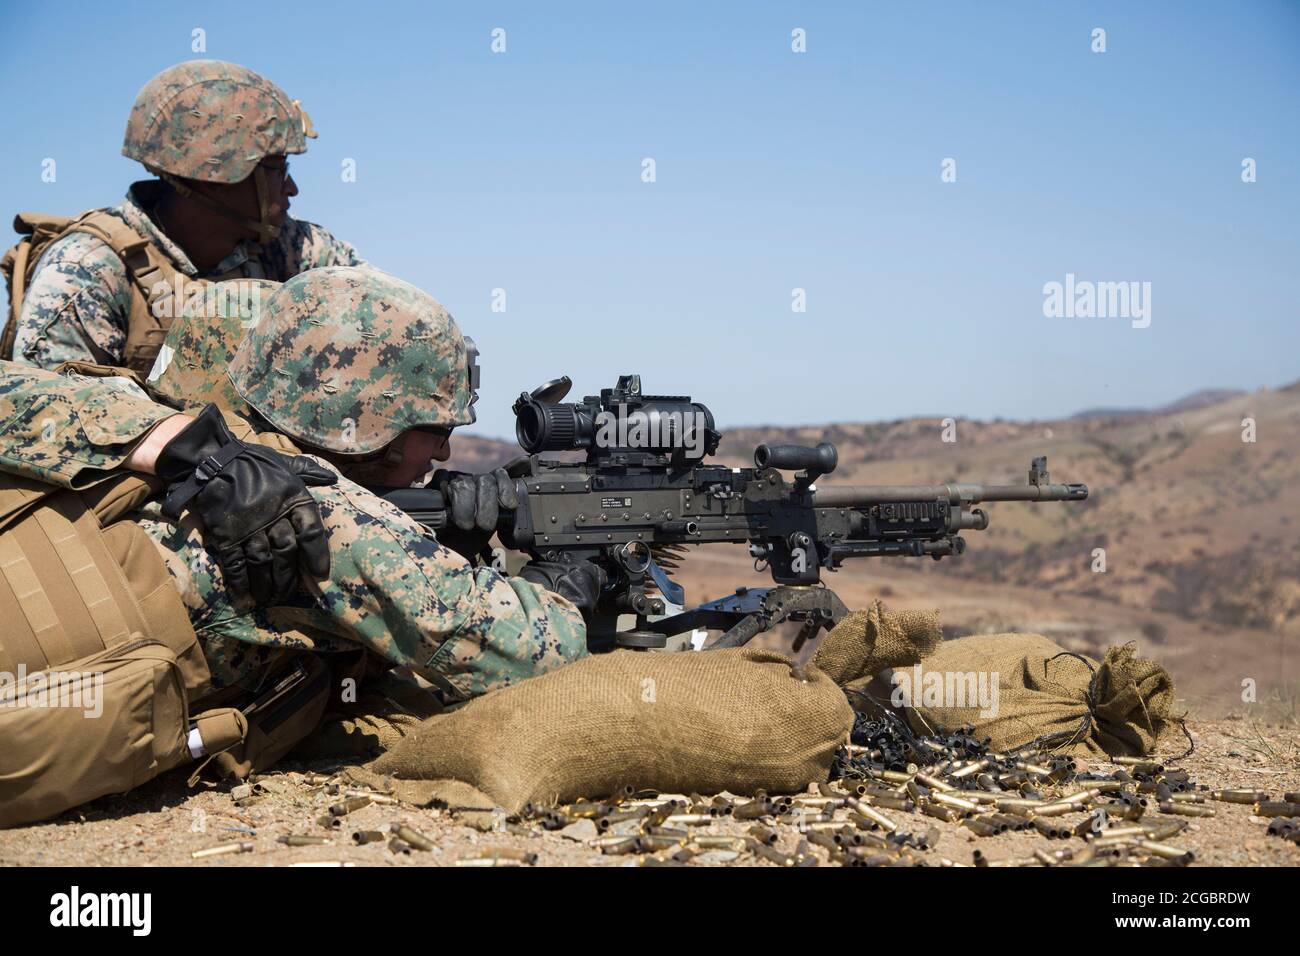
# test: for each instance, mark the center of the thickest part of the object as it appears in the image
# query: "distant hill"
(1207, 396)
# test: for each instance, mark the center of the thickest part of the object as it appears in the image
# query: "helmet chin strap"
(374, 469)
(265, 229)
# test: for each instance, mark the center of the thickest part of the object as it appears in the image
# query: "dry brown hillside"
(1198, 526)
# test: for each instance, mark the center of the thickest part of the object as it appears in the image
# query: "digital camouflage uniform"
(393, 588)
(202, 120)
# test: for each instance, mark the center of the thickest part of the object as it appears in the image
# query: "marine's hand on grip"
(474, 506)
(581, 583)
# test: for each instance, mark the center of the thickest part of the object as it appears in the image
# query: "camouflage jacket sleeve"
(305, 245)
(76, 307)
(394, 590)
(69, 430)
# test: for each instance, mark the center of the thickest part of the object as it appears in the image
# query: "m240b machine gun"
(644, 491)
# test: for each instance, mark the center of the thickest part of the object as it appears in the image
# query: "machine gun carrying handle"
(815, 461)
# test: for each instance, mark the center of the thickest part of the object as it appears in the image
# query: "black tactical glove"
(253, 504)
(581, 583)
(474, 505)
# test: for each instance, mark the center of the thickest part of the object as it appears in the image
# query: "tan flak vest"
(152, 274)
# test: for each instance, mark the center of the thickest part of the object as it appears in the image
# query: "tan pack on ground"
(1120, 706)
(152, 274)
(98, 660)
(738, 719)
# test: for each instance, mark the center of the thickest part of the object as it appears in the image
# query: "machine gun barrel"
(860, 496)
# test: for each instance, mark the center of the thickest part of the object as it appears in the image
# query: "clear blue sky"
(775, 170)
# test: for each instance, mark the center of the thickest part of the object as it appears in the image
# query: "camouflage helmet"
(207, 326)
(347, 358)
(212, 121)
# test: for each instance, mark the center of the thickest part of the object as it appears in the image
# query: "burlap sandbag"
(867, 642)
(738, 719)
(1120, 706)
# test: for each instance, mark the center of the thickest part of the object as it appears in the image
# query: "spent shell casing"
(939, 812)
(610, 840)
(1276, 808)
(1165, 829)
(846, 837)
(588, 810)
(1125, 832)
(868, 812)
(622, 846)
(1009, 804)
(378, 798)
(822, 839)
(414, 837)
(478, 861)
(344, 807)
(1045, 858)
(888, 801)
(689, 819)
(609, 819)
(820, 803)
(1138, 764)
(361, 837)
(650, 843)
(771, 854)
(970, 769)
(221, 849)
(1291, 796)
(763, 834)
(718, 841)
(1104, 786)
(891, 776)
(980, 827)
(1010, 821)
(1134, 810)
(934, 783)
(1187, 809)
(1239, 796)
(1051, 830)
(829, 826)
(682, 832)
(1186, 798)
(399, 846)
(329, 821)
(957, 803)
(505, 853)
(754, 810)
(302, 839)
(1167, 852)
(801, 818)
(659, 814)
(1033, 769)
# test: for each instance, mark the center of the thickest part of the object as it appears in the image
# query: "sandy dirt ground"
(163, 823)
